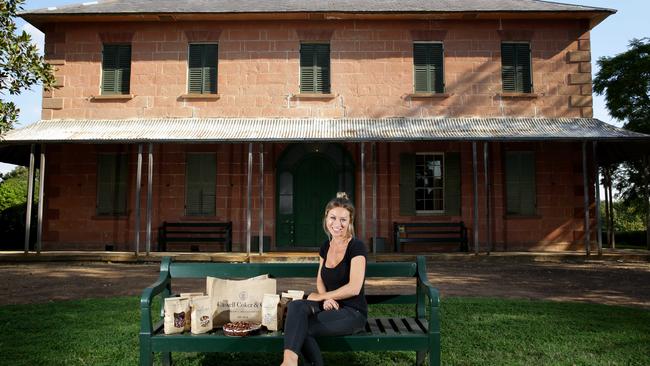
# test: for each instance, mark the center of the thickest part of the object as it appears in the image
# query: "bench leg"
(166, 358)
(420, 357)
(434, 349)
(146, 356)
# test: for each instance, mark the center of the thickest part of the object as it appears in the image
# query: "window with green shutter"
(315, 68)
(521, 197)
(112, 176)
(430, 184)
(116, 69)
(202, 65)
(200, 184)
(428, 67)
(516, 68)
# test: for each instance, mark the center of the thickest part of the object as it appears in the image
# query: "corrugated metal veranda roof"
(307, 129)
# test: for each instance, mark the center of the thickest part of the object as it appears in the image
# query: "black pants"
(306, 320)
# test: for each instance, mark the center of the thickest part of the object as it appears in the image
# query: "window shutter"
(195, 72)
(123, 76)
(315, 68)
(200, 184)
(210, 68)
(520, 183)
(112, 179)
(109, 70)
(524, 83)
(428, 67)
(452, 184)
(407, 184)
(421, 68)
(508, 67)
(528, 201)
(516, 67)
(322, 56)
(116, 69)
(121, 183)
(438, 68)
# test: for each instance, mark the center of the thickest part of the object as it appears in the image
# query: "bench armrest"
(427, 296)
(161, 285)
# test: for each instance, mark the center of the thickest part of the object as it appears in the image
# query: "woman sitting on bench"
(339, 307)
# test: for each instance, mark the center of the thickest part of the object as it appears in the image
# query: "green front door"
(315, 183)
(308, 176)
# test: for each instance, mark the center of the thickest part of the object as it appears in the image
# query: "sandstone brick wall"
(71, 186)
(371, 68)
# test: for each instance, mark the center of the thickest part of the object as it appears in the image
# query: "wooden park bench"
(430, 233)
(194, 233)
(419, 332)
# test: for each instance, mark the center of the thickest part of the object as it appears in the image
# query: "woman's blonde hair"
(341, 200)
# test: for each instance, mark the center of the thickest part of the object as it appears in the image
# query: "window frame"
(203, 67)
(117, 89)
(326, 89)
(526, 89)
(434, 87)
(442, 189)
(113, 186)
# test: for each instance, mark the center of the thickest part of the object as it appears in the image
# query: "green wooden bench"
(194, 233)
(419, 333)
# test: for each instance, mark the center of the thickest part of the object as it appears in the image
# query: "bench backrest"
(280, 270)
(292, 270)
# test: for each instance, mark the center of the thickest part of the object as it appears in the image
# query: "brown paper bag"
(177, 315)
(270, 311)
(238, 300)
(201, 314)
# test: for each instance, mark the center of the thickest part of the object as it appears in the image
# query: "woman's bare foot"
(290, 358)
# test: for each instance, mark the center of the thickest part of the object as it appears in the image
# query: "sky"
(609, 38)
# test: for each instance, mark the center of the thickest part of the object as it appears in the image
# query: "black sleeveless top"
(333, 278)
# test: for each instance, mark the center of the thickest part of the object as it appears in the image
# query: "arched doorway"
(308, 176)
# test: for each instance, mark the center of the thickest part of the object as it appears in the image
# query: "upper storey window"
(116, 69)
(516, 68)
(315, 68)
(202, 73)
(428, 67)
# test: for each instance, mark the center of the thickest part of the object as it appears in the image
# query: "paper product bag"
(238, 300)
(177, 315)
(271, 311)
(201, 318)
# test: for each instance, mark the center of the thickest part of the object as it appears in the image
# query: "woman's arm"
(352, 288)
(320, 286)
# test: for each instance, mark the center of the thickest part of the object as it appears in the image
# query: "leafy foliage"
(13, 204)
(625, 81)
(20, 64)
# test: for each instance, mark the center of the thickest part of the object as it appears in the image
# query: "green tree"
(20, 64)
(625, 81)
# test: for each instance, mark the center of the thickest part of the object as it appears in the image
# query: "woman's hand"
(330, 304)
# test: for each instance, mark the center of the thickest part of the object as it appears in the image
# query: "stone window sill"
(116, 97)
(200, 96)
(518, 95)
(429, 95)
(315, 96)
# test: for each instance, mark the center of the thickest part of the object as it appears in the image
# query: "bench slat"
(196, 224)
(193, 239)
(415, 327)
(374, 328)
(439, 232)
(424, 325)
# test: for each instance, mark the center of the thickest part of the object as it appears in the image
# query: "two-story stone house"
(257, 112)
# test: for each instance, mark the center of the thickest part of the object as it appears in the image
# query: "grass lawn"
(475, 331)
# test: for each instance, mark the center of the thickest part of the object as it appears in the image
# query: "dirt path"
(614, 283)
